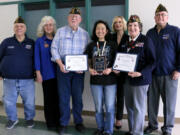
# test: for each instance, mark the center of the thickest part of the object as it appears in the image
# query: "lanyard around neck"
(98, 49)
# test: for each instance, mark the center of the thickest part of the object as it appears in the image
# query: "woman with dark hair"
(137, 81)
(119, 26)
(103, 80)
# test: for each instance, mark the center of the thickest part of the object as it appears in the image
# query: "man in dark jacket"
(16, 67)
(166, 39)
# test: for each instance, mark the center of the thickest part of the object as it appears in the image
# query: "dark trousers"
(70, 84)
(51, 103)
(120, 98)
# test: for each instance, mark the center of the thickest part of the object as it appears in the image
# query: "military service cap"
(134, 18)
(161, 8)
(75, 10)
(19, 20)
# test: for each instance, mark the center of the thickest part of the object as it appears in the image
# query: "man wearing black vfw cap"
(16, 68)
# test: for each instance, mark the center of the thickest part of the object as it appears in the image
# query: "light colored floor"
(89, 121)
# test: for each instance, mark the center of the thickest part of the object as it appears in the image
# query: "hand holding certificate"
(76, 63)
(125, 62)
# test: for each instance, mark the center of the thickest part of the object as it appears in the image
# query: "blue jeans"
(104, 95)
(70, 84)
(12, 88)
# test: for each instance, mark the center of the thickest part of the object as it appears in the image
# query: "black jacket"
(144, 48)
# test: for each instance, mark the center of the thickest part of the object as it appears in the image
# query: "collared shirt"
(131, 42)
(130, 39)
(69, 42)
(167, 46)
(42, 58)
(16, 58)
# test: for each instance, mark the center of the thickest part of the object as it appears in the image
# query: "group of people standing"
(156, 74)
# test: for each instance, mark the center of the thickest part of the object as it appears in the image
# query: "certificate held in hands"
(76, 63)
(125, 62)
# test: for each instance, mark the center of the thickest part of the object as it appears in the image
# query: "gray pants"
(165, 87)
(135, 100)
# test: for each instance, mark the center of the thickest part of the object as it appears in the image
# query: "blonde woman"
(45, 70)
(120, 37)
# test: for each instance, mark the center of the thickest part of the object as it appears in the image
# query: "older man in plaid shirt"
(70, 39)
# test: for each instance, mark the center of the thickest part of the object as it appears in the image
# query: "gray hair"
(44, 20)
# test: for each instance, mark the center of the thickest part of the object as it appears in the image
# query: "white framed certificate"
(125, 62)
(76, 63)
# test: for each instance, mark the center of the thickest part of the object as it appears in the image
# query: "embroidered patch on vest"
(10, 47)
(28, 46)
(165, 36)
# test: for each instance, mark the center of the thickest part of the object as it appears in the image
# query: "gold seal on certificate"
(76, 63)
(125, 62)
(99, 63)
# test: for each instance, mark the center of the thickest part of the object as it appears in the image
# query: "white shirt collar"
(134, 38)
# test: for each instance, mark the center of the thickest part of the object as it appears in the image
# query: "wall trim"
(9, 3)
(92, 113)
(88, 15)
(53, 5)
(126, 9)
(24, 2)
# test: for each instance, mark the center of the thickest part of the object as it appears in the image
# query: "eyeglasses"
(74, 15)
(161, 14)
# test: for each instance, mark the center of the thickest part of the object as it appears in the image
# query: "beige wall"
(144, 8)
(8, 14)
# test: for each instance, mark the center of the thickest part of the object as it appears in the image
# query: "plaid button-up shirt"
(68, 42)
